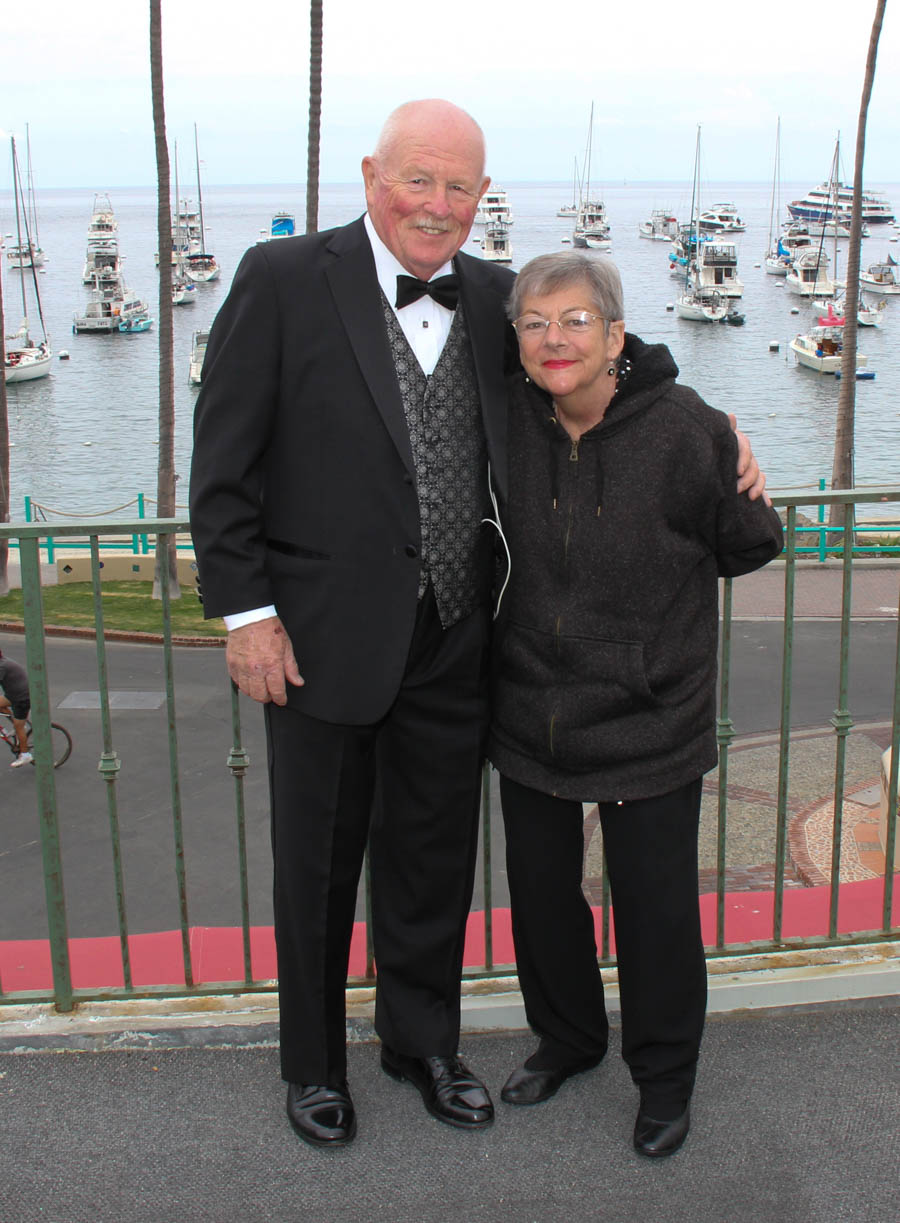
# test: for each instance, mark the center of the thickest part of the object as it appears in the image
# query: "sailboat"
(591, 227)
(777, 259)
(200, 265)
(25, 359)
(29, 255)
(698, 303)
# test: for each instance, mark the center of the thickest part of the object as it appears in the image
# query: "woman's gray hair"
(548, 273)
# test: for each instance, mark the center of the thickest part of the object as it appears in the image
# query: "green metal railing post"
(724, 737)
(48, 813)
(785, 735)
(823, 535)
(239, 761)
(486, 866)
(109, 764)
(175, 781)
(890, 838)
(842, 722)
(145, 541)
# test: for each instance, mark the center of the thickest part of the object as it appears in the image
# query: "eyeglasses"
(533, 327)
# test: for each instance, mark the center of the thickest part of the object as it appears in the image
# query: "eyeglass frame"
(547, 322)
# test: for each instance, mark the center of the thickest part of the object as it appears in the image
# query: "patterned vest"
(443, 413)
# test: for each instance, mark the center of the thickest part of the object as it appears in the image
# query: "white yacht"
(808, 274)
(102, 235)
(199, 340)
(822, 203)
(26, 360)
(821, 349)
(715, 267)
(721, 217)
(591, 227)
(795, 239)
(880, 278)
(496, 246)
(494, 206)
(108, 307)
(661, 226)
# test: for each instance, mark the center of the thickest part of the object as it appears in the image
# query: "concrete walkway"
(795, 1120)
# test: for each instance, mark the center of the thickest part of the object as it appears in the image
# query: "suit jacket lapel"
(357, 296)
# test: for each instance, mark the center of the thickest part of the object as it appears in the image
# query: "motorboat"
(720, 217)
(282, 226)
(795, 239)
(102, 236)
(832, 199)
(661, 226)
(880, 278)
(808, 274)
(591, 227)
(494, 206)
(715, 267)
(701, 305)
(102, 261)
(108, 307)
(137, 322)
(821, 348)
(496, 246)
(199, 340)
(684, 250)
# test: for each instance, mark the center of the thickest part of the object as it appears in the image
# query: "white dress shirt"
(426, 326)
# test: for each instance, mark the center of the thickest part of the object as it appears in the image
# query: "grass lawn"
(126, 605)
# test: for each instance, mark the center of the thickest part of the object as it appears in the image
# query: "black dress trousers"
(410, 786)
(650, 846)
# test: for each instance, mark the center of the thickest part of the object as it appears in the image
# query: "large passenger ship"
(819, 205)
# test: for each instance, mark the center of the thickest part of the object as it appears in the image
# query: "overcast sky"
(528, 70)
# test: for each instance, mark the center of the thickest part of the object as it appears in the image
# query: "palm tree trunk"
(166, 569)
(4, 461)
(315, 116)
(842, 475)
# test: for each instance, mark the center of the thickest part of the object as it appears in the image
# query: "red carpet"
(217, 952)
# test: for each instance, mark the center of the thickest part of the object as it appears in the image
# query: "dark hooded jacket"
(605, 655)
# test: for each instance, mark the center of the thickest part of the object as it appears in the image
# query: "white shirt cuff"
(239, 619)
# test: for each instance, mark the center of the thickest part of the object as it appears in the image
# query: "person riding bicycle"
(15, 699)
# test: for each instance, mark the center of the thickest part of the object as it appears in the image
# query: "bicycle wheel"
(61, 741)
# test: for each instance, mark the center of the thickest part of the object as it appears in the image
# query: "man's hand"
(750, 479)
(260, 658)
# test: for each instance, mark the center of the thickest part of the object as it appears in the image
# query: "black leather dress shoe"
(526, 1086)
(322, 1116)
(450, 1090)
(658, 1138)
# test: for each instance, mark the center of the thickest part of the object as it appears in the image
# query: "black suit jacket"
(302, 483)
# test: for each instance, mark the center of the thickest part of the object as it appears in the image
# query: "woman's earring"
(612, 371)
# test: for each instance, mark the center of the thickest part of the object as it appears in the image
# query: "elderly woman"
(622, 515)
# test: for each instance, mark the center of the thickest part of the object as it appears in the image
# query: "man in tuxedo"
(351, 416)
(342, 442)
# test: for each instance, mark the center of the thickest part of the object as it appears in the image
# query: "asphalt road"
(143, 788)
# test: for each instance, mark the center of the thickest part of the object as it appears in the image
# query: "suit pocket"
(289, 549)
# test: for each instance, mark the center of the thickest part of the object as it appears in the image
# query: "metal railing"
(57, 890)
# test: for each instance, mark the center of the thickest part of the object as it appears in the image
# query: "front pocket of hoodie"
(555, 697)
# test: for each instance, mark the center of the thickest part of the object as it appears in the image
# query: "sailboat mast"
(199, 194)
(587, 159)
(694, 236)
(17, 188)
(776, 182)
(177, 234)
(30, 177)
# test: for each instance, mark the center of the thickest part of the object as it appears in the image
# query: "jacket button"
(411, 551)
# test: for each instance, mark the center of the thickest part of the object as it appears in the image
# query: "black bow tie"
(444, 290)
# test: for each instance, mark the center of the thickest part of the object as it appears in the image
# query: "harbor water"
(84, 440)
